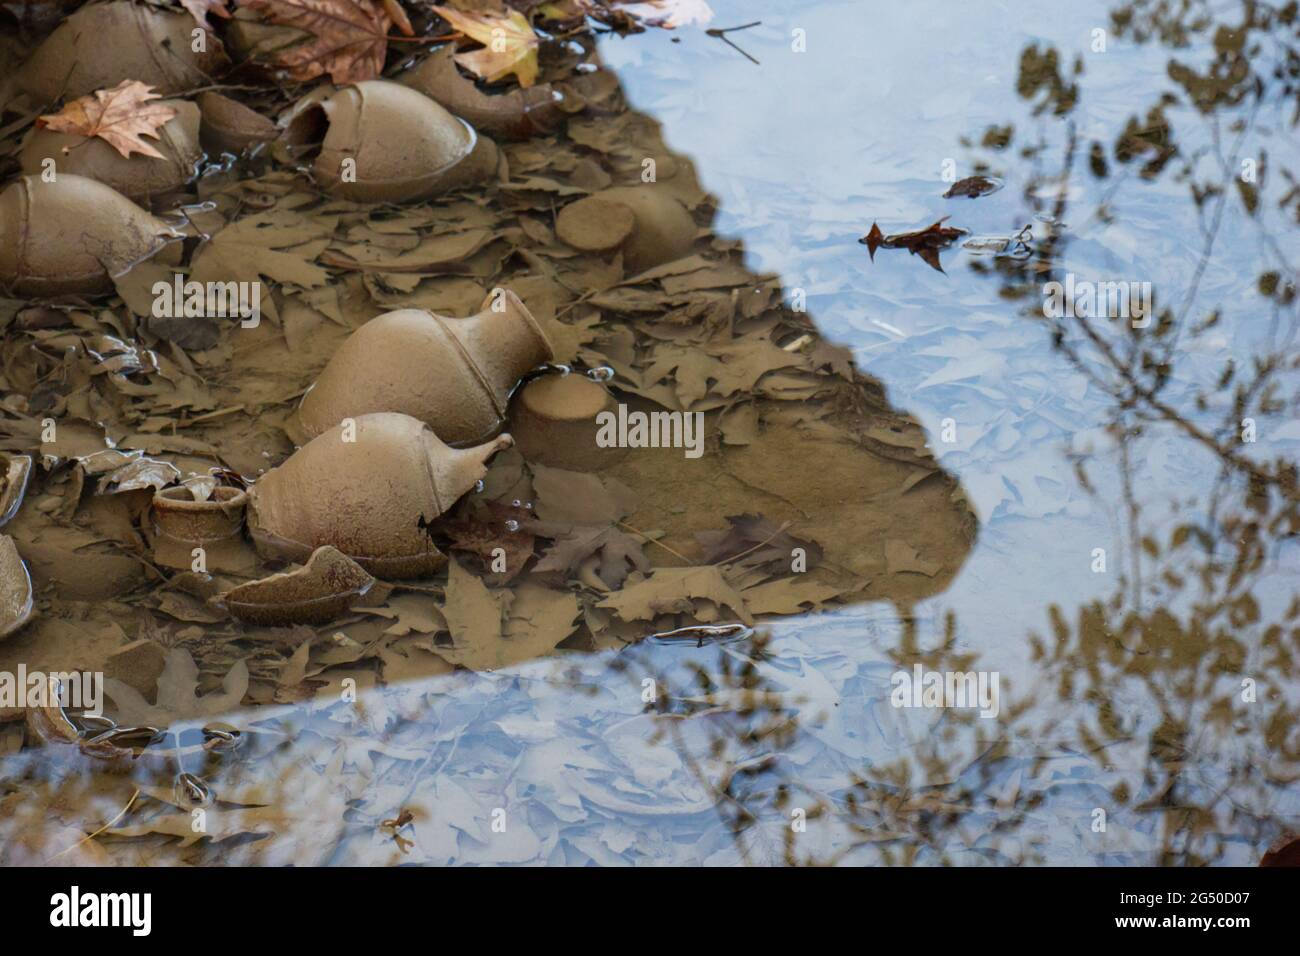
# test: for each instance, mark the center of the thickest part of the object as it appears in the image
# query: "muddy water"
(1096, 540)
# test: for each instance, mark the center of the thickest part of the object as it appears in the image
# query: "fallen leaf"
(675, 590)
(925, 243)
(509, 44)
(350, 37)
(119, 116)
(972, 187)
(178, 699)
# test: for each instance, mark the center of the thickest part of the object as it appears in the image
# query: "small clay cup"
(182, 524)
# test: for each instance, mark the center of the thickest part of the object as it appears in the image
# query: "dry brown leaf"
(509, 44)
(351, 37)
(119, 116)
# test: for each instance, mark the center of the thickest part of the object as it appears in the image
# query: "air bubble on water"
(479, 486)
(512, 524)
(516, 503)
(601, 374)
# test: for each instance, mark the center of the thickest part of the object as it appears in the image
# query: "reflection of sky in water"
(803, 153)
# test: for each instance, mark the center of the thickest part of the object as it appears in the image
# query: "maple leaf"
(925, 243)
(119, 116)
(199, 10)
(509, 44)
(350, 37)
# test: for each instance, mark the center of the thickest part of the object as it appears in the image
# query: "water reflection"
(1150, 721)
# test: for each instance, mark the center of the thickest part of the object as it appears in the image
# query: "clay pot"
(370, 497)
(72, 236)
(138, 176)
(663, 231)
(402, 145)
(182, 523)
(519, 114)
(101, 45)
(317, 593)
(229, 126)
(454, 374)
(553, 419)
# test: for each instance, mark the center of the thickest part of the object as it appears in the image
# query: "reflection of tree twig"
(721, 34)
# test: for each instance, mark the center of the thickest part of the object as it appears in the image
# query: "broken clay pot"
(317, 593)
(369, 486)
(553, 419)
(138, 176)
(182, 523)
(518, 114)
(456, 375)
(229, 126)
(15, 470)
(384, 142)
(663, 231)
(72, 236)
(103, 44)
(15, 589)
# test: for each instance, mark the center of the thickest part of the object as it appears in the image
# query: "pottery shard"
(317, 593)
(15, 589)
(103, 44)
(594, 225)
(138, 665)
(138, 176)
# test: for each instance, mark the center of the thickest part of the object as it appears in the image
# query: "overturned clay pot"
(317, 593)
(103, 44)
(454, 374)
(553, 419)
(384, 142)
(519, 114)
(182, 523)
(137, 176)
(369, 487)
(228, 126)
(663, 230)
(71, 236)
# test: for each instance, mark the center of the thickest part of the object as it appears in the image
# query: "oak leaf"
(509, 44)
(350, 37)
(926, 243)
(119, 116)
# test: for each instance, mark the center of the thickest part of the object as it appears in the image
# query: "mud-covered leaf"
(178, 698)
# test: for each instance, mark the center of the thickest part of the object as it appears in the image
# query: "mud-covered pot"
(454, 374)
(369, 487)
(71, 236)
(383, 142)
(103, 44)
(136, 176)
